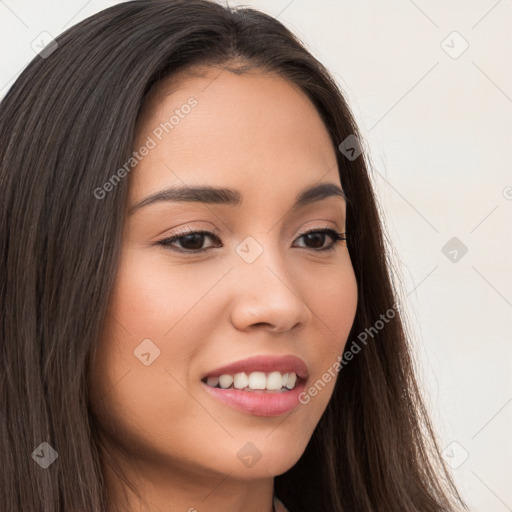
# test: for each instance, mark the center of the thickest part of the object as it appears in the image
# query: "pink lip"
(281, 364)
(259, 403)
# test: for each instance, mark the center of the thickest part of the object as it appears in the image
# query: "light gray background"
(438, 125)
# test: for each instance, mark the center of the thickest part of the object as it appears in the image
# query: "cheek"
(152, 296)
(333, 301)
(156, 315)
(141, 348)
(338, 301)
(334, 305)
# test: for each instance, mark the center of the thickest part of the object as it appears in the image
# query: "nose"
(267, 297)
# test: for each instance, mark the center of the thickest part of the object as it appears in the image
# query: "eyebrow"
(228, 196)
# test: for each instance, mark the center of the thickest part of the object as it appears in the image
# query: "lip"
(263, 363)
(259, 403)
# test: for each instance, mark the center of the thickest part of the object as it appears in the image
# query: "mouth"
(259, 385)
(269, 382)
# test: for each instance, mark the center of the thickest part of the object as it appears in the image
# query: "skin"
(260, 135)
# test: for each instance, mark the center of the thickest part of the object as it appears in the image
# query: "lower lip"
(259, 403)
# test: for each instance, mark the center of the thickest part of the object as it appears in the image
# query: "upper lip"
(263, 363)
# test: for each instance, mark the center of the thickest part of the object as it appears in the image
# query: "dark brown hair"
(66, 124)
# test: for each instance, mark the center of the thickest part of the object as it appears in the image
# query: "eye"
(191, 242)
(318, 238)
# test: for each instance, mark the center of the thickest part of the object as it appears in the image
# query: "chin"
(264, 458)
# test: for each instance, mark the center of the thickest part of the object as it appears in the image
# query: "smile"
(255, 381)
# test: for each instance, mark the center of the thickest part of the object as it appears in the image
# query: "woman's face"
(255, 286)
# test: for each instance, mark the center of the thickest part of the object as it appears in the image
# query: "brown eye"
(317, 239)
(192, 241)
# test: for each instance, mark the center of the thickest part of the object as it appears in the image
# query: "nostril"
(259, 324)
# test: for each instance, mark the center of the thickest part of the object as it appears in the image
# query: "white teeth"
(276, 381)
(257, 380)
(272, 381)
(225, 381)
(292, 378)
(240, 380)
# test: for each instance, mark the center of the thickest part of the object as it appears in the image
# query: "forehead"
(250, 130)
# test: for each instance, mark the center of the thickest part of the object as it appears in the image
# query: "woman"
(197, 306)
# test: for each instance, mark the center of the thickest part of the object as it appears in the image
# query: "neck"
(191, 491)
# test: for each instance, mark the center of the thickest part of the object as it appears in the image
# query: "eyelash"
(166, 242)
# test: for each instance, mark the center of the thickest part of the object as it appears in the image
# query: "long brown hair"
(66, 124)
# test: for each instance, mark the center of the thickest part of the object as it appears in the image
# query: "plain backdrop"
(430, 84)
